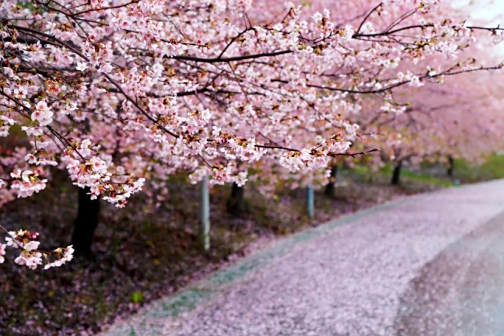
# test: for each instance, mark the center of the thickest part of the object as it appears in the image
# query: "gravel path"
(351, 280)
(461, 291)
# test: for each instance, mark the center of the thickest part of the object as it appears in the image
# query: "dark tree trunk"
(86, 222)
(396, 175)
(235, 201)
(329, 188)
(451, 166)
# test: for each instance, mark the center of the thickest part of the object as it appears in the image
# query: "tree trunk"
(329, 188)
(235, 201)
(451, 166)
(86, 222)
(396, 175)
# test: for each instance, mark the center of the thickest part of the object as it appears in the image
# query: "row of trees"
(123, 92)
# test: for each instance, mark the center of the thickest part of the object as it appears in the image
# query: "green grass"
(493, 168)
(408, 175)
(464, 172)
(384, 174)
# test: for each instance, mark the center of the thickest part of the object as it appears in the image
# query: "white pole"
(205, 215)
(310, 201)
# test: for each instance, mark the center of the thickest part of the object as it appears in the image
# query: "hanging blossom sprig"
(30, 255)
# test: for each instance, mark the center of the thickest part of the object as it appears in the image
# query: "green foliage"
(136, 297)
(365, 174)
(26, 4)
(408, 175)
(464, 171)
(493, 168)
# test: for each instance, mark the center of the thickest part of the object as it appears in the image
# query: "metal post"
(205, 215)
(310, 201)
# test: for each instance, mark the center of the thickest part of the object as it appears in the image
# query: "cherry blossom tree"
(119, 92)
(461, 119)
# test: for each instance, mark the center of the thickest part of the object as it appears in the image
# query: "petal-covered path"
(389, 270)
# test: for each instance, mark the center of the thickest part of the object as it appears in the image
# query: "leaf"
(137, 297)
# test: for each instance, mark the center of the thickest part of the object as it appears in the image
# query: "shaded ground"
(142, 253)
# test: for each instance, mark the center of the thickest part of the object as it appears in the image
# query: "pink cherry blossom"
(120, 98)
(2, 253)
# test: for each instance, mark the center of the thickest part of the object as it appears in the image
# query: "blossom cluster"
(30, 255)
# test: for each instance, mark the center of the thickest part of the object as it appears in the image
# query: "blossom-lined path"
(359, 275)
(460, 292)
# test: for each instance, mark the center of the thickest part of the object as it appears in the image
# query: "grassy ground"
(410, 180)
(142, 254)
(493, 168)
